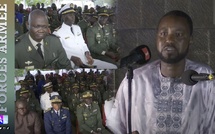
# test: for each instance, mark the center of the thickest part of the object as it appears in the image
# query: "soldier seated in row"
(89, 116)
(32, 103)
(73, 42)
(24, 85)
(38, 49)
(74, 99)
(45, 98)
(57, 119)
(100, 40)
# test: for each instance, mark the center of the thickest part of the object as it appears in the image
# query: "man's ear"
(27, 25)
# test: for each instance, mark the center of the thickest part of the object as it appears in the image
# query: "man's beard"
(174, 60)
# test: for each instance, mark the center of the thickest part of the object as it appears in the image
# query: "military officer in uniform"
(85, 23)
(74, 100)
(89, 116)
(37, 49)
(74, 97)
(109, 93)
(100, 40)
(45, 102)
(33, 103)
(112, 25)
(53, 19)
(57, 119)
(66, 90)
(24, 85)
(96, 93)
(73, 42)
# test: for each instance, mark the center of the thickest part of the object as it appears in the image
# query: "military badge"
(28, 62)
(64, 116)
(29, 49)
(95, 110)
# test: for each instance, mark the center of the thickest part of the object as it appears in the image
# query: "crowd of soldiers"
(73, 89)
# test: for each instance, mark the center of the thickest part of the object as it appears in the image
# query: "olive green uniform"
(84, 26)
(100, 40)
(89, 119)
(108, 94)
(26, 56)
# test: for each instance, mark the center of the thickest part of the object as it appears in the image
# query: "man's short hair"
(179, 13)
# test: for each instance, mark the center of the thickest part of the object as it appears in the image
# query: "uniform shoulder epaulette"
(54, 35)
(56, 29)
(95, 102)
(80, 105)
(45, 111)
(17, 40)
(66, 108)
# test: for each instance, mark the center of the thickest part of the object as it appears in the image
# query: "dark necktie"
(57, 113)
(103, 30)
(39, 50)
(89, 107)
(71, 30)
(49, 95)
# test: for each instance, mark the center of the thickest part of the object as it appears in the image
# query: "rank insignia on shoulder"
(95, 110)
(45, 111)
(56, 29)
(80, 105)
(65, 108)
(54, 35)
(95, 102)
(18, 39)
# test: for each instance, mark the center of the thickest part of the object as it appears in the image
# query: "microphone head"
(144, 51)
(186, 77)
(139, 55)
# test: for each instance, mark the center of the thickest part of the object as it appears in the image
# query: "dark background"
(137, 21)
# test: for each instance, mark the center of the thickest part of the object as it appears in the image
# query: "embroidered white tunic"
(162, 105)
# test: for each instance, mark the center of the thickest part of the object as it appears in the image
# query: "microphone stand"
(129, 77)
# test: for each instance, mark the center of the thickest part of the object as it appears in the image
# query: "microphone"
(139, 55)
(191, 77)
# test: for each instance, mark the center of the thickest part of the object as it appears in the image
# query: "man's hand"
(112, 55)
(76, 60)
(89, 58)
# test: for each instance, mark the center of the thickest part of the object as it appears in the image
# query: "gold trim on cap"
(56, 99)
(68, 11)
(103, 14)
(25, 91)
(87, 95)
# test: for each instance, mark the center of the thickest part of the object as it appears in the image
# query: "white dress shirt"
(45, 102)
